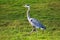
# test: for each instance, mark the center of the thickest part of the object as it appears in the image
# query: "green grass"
(15, 26)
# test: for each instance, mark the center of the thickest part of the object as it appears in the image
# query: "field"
(15, 26)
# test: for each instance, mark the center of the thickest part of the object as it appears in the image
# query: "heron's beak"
(23, 5)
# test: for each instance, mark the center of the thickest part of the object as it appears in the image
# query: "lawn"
(15, 26)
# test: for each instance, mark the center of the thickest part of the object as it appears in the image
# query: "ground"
(15, 26)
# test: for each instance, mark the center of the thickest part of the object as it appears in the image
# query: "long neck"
(28, 15)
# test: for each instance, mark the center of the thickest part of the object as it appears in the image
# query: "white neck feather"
(28, 15)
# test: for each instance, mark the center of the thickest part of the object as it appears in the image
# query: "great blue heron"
(34, 22)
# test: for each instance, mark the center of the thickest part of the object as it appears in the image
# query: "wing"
(37, 23)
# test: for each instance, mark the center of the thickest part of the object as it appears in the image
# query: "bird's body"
(35, 23)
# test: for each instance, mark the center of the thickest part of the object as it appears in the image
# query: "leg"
(34, 29)
(42, 31)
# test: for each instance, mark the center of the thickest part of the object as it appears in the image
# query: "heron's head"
(27, 6)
